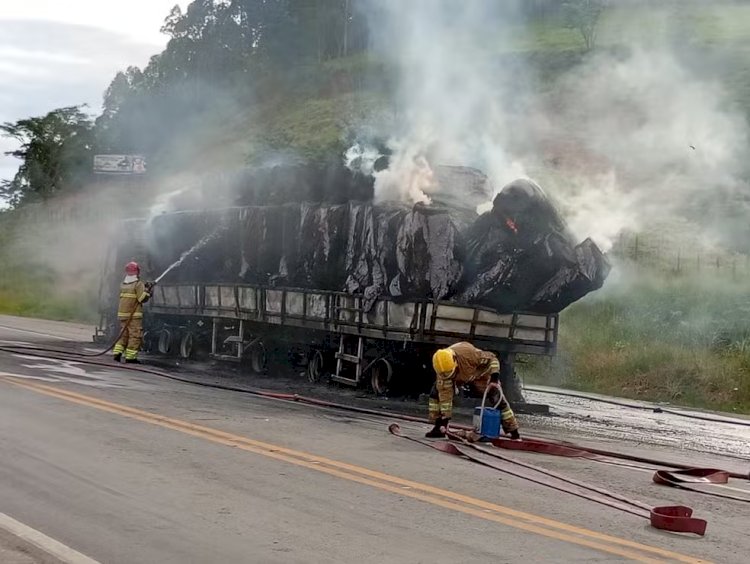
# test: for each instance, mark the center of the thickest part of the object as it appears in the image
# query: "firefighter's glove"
(149, 286)
(438, 431)
(495, 378)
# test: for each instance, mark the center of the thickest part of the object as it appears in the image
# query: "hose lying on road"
(675, 478)
(83, 354)
(654, 409)
(39, 352)
(674, 518)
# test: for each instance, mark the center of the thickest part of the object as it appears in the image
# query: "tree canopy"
(246, 50)
(55, 152)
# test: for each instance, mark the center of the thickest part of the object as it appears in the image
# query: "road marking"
(43, 542)
(423, 492)
(6, 342)
(711, 485)
(30, 332)
(75, 372)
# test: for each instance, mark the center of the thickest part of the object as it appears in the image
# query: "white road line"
(722, 486)
(36, 333)
(43, 542)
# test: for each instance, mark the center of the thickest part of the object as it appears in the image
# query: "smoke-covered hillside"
(628, 112)
(631, 114)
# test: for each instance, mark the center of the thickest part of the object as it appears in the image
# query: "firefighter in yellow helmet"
(459, 364)
(133, 294)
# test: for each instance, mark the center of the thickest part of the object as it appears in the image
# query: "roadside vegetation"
(31, 289)
(684, 341)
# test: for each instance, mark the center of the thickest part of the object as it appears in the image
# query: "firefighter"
(133, 294)
(459, 364)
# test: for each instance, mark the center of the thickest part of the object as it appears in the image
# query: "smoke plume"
(628, 136)
(454, 103)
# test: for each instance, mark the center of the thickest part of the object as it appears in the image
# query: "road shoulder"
(20, 544)
(15, 550)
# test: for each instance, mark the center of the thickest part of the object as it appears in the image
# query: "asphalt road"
(125, 467)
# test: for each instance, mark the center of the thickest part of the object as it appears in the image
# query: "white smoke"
(362, 159)
(665, 137)
(452, 99)
(624, 139)
(408, 178)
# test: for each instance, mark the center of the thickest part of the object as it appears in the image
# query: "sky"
(56, 53)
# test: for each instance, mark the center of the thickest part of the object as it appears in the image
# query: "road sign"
(119, 164)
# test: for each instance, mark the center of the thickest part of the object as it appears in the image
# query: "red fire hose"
(674, 518)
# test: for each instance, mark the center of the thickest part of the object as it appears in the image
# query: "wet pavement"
(134, 490)
(642, 426)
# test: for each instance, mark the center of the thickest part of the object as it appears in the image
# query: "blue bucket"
(487, 424)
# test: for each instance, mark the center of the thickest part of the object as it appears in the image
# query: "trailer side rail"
(424, 321)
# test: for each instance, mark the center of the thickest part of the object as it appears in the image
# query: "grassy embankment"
(31, 289)
(679, 340)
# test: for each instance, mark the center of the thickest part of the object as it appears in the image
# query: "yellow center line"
(407, 488)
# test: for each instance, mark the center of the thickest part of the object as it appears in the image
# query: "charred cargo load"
(366, 291)
(519, 256)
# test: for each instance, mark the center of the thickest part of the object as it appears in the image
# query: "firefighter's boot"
(438, 431)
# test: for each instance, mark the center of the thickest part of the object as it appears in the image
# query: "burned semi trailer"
(366, 292)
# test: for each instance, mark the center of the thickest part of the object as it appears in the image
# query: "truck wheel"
(164, 346)
(381, 373)
(186, 345)
(258, 358)
(147, 342)
(315, 366)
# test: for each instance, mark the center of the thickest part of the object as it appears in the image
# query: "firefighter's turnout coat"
(474, 367)
(133, 294)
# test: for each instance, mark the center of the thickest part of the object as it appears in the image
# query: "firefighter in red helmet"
(133, 294)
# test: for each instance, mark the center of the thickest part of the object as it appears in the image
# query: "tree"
(55, 150)
(584, 15)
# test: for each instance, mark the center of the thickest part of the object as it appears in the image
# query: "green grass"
(27, 293)
(318, 127)
(683, 341)
(32, 290)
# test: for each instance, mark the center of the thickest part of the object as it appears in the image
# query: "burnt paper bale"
(519, 256)
(322, 246)
(371, 261)
(297, 181)
(259, 234)
(252, 229)
(269, 241)
(507, 279)
(428, 254)
(206, 240)
(526, 211)
(573, 282)
(460, 188)
(288, 272)
(514, 248)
